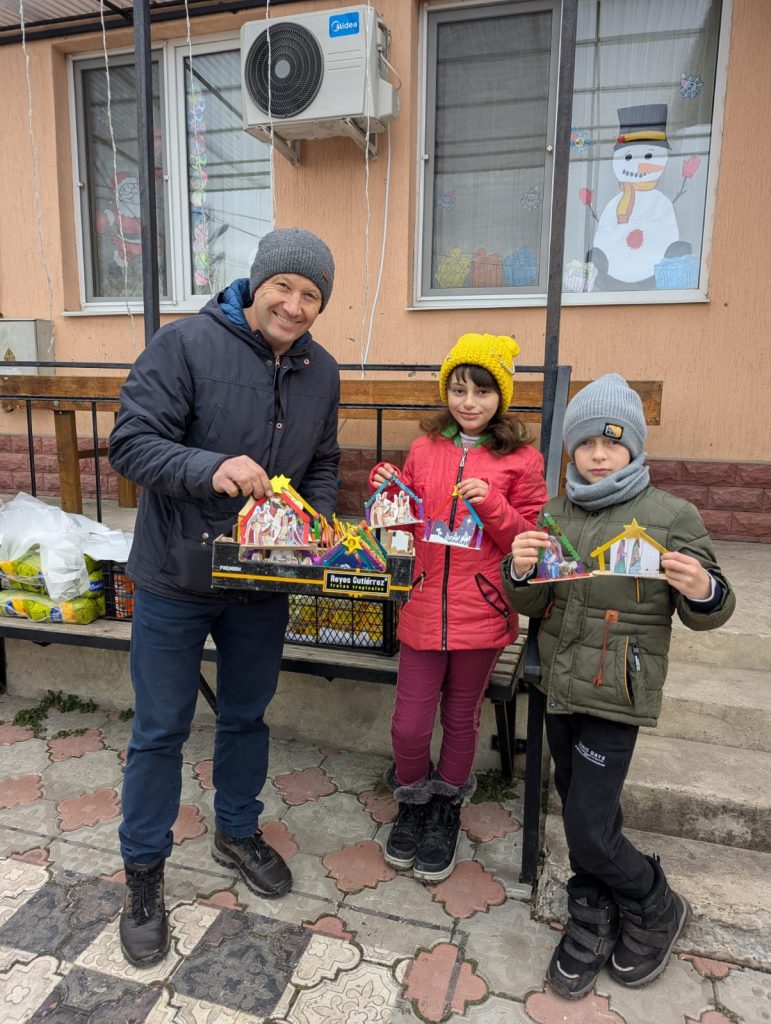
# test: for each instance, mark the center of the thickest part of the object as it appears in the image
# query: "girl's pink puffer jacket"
(457, 602)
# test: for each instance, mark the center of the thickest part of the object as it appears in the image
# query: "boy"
(603, 644)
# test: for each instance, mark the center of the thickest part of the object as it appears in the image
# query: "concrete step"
(698, 791)
(727, 707)
(745, 640)
(729, 891)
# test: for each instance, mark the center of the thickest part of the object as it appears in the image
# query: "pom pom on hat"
(607, 407)
(495, 353)
(293, 251)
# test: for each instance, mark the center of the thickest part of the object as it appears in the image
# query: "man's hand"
(383, 473)
(241, 475)
(686, 574)
(472, 490)
(525, 549)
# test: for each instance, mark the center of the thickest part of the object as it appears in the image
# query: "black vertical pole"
(144, 65)
(558, 207)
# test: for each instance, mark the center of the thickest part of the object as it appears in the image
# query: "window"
(640, 151)
(212, 179)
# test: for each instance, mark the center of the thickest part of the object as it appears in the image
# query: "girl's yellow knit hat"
(495, 352)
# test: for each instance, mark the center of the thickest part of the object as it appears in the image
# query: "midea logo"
(344, 24)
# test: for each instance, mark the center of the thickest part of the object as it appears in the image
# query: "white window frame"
(175, 182)
(654, 297)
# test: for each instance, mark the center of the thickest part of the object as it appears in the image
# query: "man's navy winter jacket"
(207, 389)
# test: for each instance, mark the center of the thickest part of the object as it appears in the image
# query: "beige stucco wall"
(713, 357)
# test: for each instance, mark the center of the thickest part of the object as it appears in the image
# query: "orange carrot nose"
(651, 168)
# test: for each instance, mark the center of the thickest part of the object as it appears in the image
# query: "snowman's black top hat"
(646, 123)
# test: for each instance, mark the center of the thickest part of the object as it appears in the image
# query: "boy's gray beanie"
(294, 251)
(606, 407)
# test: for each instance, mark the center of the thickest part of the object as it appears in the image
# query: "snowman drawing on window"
(638, 228)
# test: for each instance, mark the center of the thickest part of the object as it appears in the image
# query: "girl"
(457, 621)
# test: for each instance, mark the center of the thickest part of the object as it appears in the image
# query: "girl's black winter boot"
(435, 856)
(407, 831)
(587, 942)
(649, 929)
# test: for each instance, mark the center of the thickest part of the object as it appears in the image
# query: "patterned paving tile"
(324, 825)
(70, 854)
(237, 947)
(25, 789)
(26, 758)
(748, 994)
(329, 925)
(277, 835)
(63, 917)
(381, 806)
(715, 969)
(177, 1009)
(512, 950)
(189, 824)
(503, 859)
(680, 990)
(104, 997)
(353, 772)
(25, 986)
(75, 746)
(403, 898)
(548, 1008)
(203, 772)
(468, 890)
(323, 959)
(37, 855)
(88, 809)
(710, 1017)
(365, 995)
(441, 980)
(298, 787)
(75, 776)
(287, 755)
(386, 938)
(10, 734)
(489, 820)
(359, 866)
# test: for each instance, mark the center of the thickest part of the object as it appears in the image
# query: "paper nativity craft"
(467, 534)
(631, 553)
(282, 528)
(393, 505)
(358, 549)
(560, 561)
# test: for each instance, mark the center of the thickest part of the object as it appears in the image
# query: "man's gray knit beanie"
(293, 251)
(606, 407)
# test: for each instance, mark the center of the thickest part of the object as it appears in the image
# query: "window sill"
(137, 308)
(648, 298)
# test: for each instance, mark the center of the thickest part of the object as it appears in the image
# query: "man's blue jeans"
(166, 646)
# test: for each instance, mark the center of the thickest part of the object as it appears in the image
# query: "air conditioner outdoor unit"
(316, 75)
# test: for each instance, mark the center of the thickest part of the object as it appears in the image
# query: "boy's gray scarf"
(613, 490)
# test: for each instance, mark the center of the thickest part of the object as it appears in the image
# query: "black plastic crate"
(118, 591)
(343, 622)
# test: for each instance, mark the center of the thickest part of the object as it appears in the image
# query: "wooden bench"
(379, 399)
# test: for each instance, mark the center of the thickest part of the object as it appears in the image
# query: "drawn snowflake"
(532, 199)
(690, 86)
(446, 200)
(579, 140)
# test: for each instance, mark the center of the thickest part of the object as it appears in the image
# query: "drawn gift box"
(579, 277)
(677, 272)
(486, 270)
(519, 268)
(453, 269)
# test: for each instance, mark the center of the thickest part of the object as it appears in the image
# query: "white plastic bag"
(62, 538)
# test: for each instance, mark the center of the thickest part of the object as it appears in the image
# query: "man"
(214, 407)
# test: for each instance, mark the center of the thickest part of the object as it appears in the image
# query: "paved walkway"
(354, 943)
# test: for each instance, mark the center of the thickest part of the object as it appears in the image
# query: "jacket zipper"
(450, 524)
(276, 411)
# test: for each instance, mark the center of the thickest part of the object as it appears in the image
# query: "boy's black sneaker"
(586, 944)
(435, 856)
(649, 929)
(402, 845)
(263, 870)
(144, 927)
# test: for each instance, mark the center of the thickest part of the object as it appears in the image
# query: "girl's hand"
(384, 472)
(686, 574)
(525, 549)
(473, 491)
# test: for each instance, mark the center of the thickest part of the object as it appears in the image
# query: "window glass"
(111, 224)
(229, 197)
(492, 85)
(640, 146)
